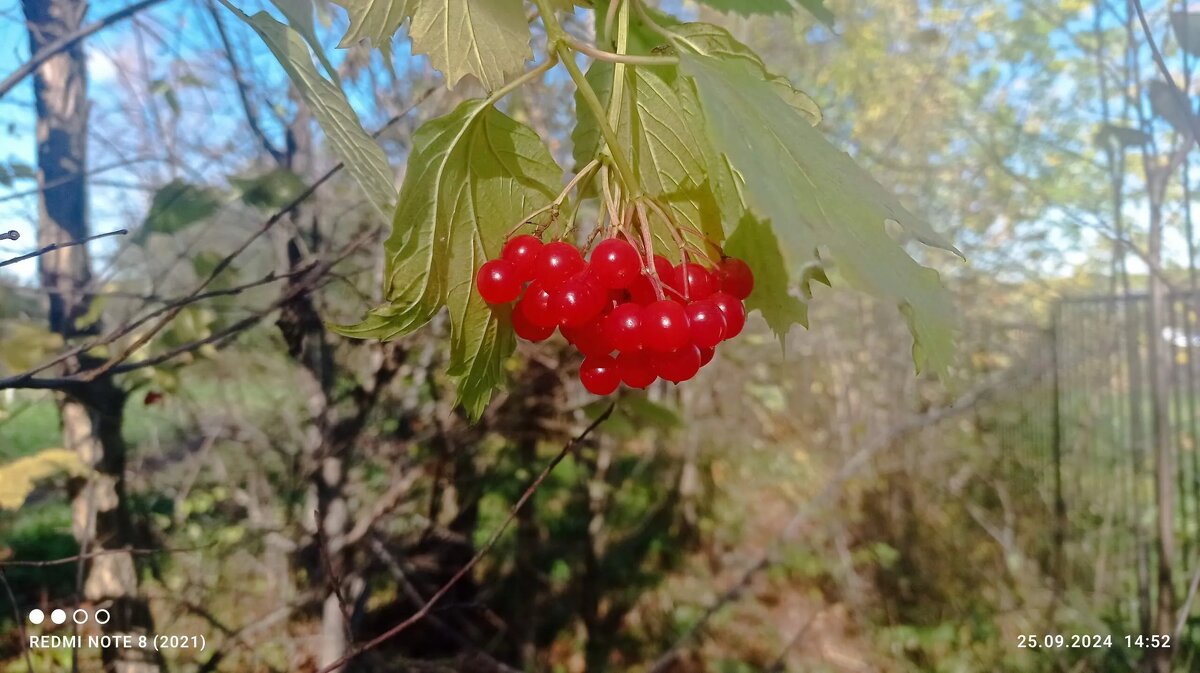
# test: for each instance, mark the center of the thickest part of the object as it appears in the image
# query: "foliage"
(694, 138)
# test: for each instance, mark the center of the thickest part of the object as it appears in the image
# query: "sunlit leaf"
(299, 15)
(374, 20)
(472, 175)
(816, 196)
(18, 478)
(489, 39)
(364, 158)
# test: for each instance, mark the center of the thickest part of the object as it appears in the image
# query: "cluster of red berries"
(666, 328)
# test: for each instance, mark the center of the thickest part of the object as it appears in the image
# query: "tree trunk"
(91, 413)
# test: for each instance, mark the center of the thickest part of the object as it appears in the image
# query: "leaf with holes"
(472, 174)
(816, 196)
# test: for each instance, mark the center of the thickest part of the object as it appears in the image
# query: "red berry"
(589, 339)
(536, 306)
(680, 365)
(528, 330)
(706, 323)
(556, 263)
(735, 277)
(706, 355)
(664, 326)
(498, 282)
(623, 327)
(664, 268)
(642, 291)
(616, 263)
(693, 280)
(599, 375)
(576, 302)
(636, 369)
(735, 312)
(523, 252)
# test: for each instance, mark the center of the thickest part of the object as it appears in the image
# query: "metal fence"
(1126, 382)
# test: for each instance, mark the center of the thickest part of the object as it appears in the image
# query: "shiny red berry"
(616, 263)
(735, 277)
(706, 323)
(576, 302)
(536, 306)
(523, 252)
(636, 369)
(734, 310)
(599, 375)
(664, 326)
(641, 291)
(693, 280)
(623, 327)
(679, 365)
(706, 355)
(556, 263)
(528, 330)
(498, 282)
(589, 339)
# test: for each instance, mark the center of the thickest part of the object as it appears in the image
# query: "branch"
(420, 614)
(1180, 96)
(68, 41)
(240, 82)
(12, 235)
(26, 378)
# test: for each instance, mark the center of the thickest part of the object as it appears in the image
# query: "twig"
(12, 235)
(781, 660)
(94, 554)
(12, 598)
(335, 582)
(420, 614)
(68, 41)
(1180, 96)
(26, 378)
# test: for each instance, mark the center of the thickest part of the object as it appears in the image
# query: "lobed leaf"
(816, 196)
(485, 38)
(472, 175)
(375, 21)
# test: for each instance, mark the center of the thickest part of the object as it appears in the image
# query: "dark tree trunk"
(91, 413)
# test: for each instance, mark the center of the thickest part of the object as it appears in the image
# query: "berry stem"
(650, 270)
(620, 161)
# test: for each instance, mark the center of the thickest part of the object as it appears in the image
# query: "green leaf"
(658, 129)
(271, 190)
(711, 40)
(374, 20)
(816, 196)
(748, 7)
(472, 175)
(177, 205)
(299, 15)
(363, 157)
(755, 242)
(488, 39)
(818, 9)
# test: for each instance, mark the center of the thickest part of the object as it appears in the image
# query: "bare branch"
(68, 41)
(420, 614)
(12, 235)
